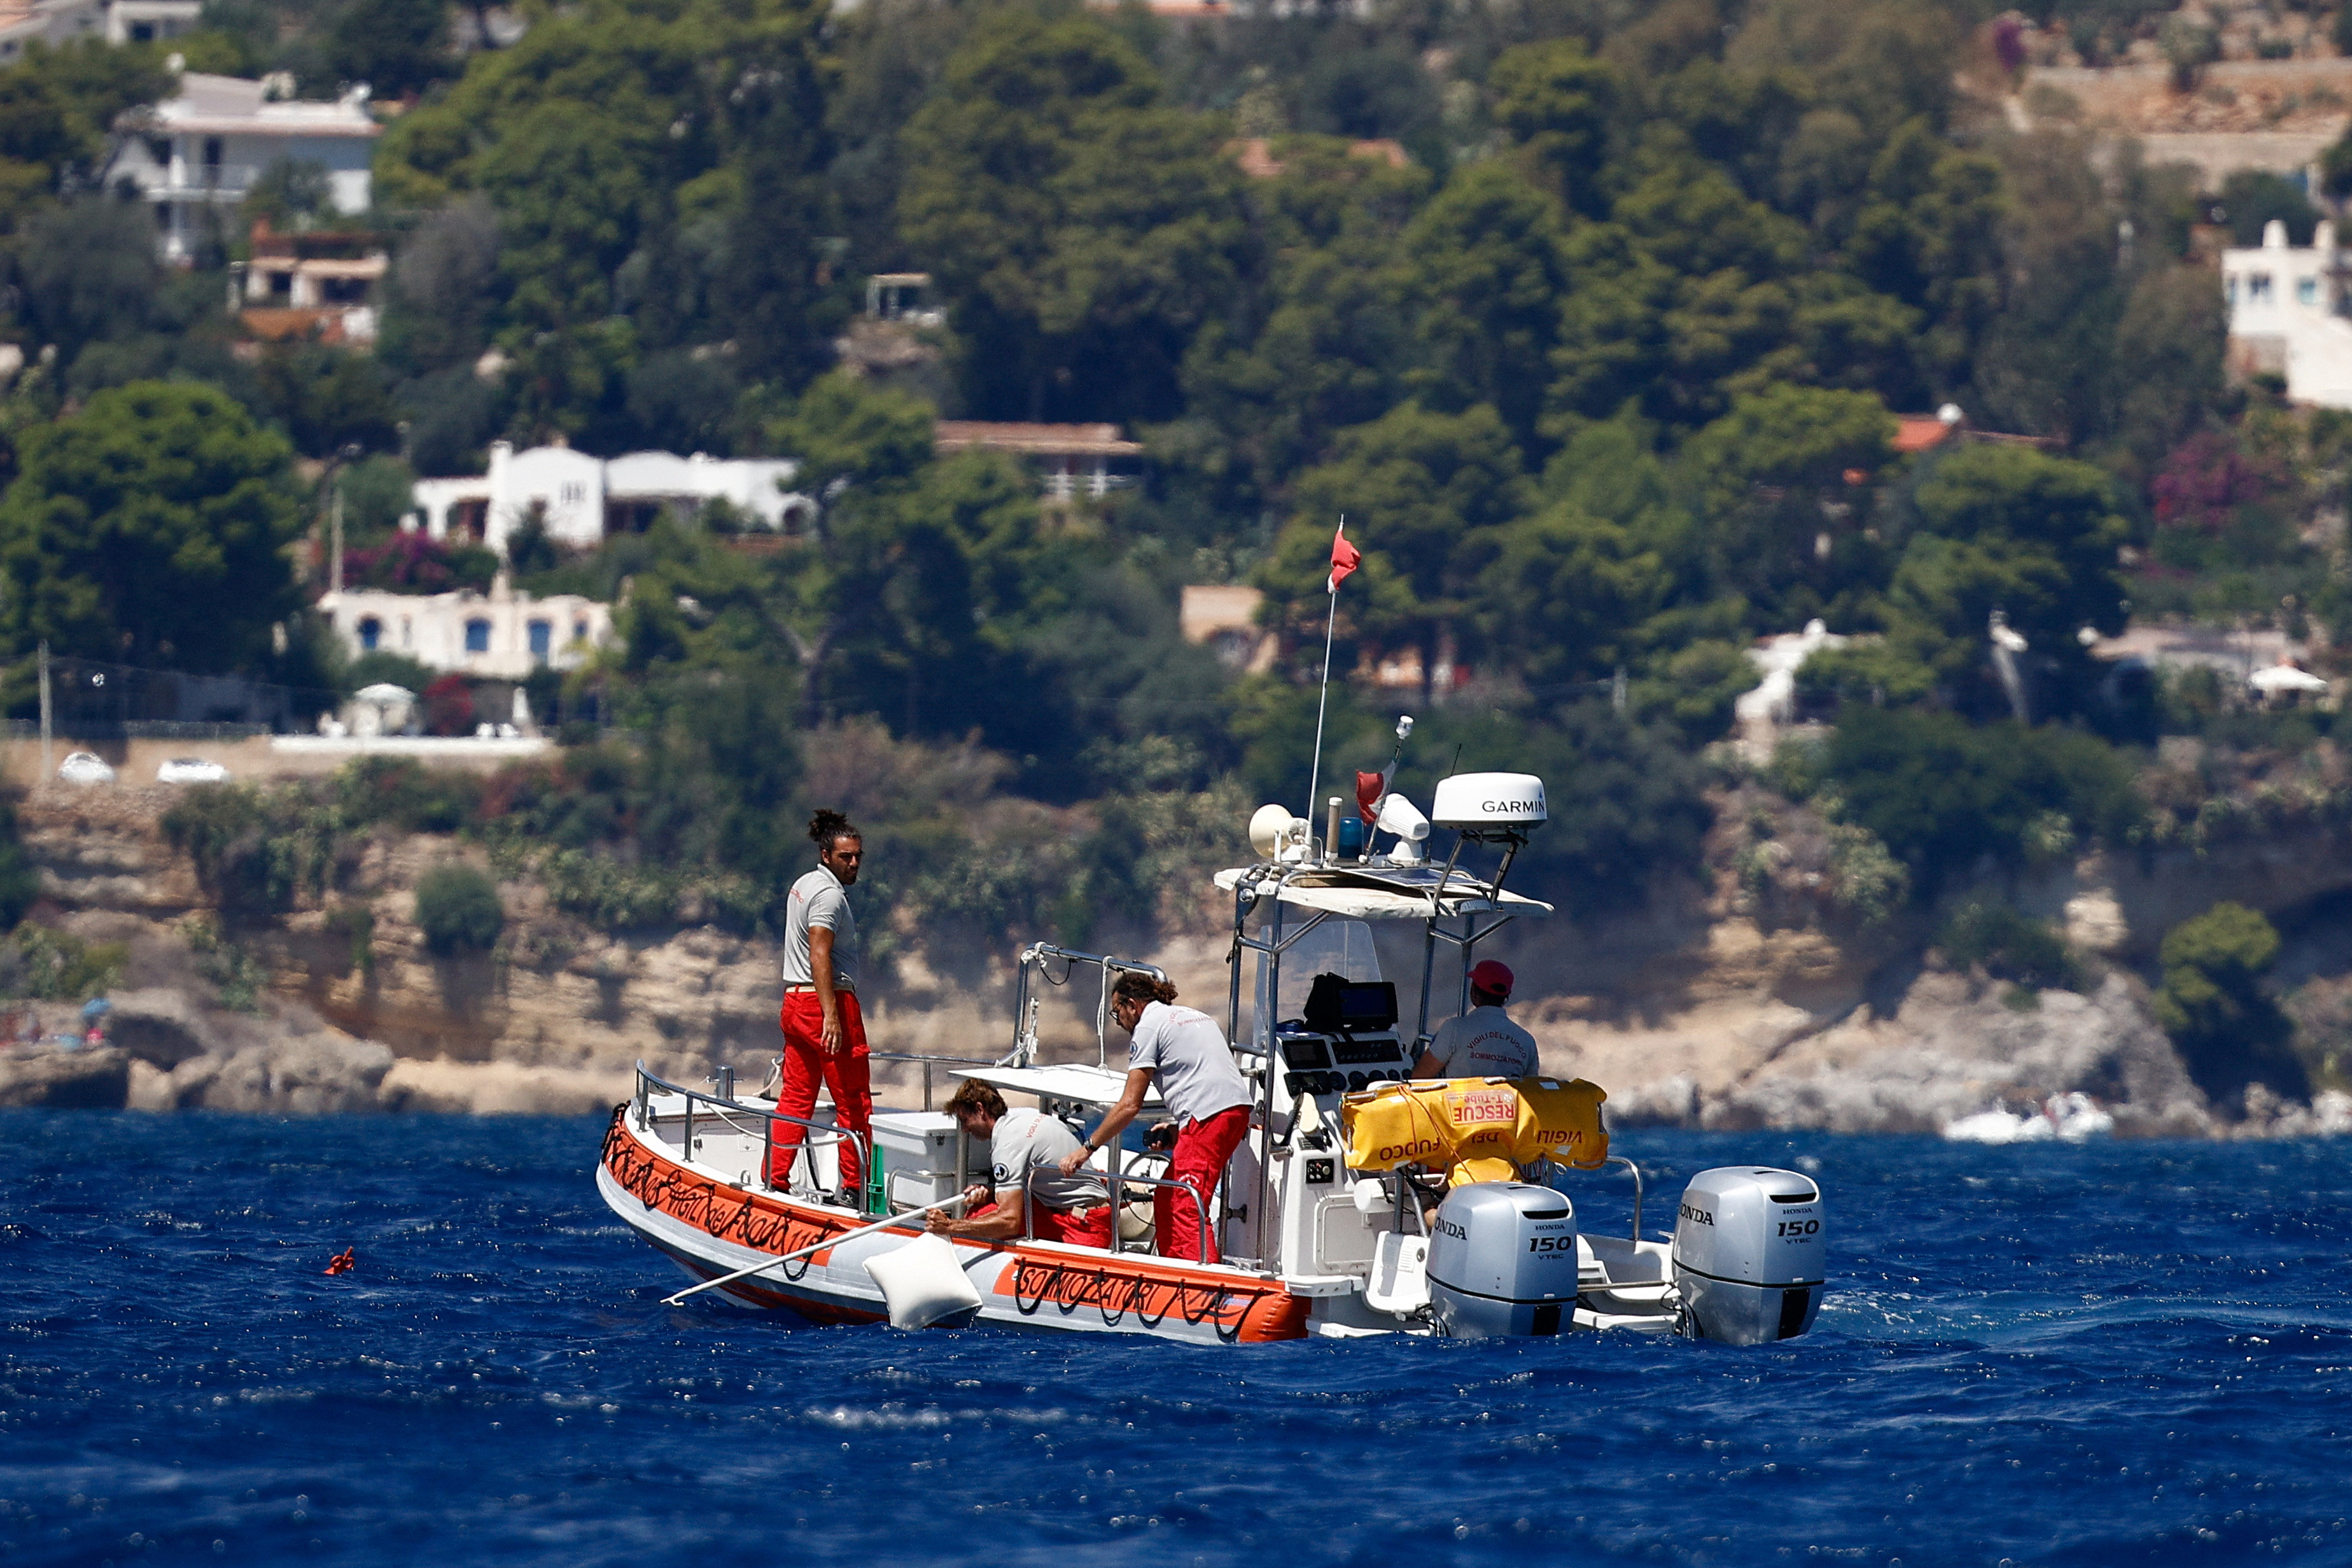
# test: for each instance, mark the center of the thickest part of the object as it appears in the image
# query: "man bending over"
(1022, 1144)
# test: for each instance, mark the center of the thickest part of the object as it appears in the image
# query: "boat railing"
(1633, 1170)
(1119, 1204)
(720, 1105)
(928, 1061)
(1024, 1005)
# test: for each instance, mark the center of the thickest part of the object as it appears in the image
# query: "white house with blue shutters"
(502, 635)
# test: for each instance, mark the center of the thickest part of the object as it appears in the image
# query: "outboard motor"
(1747, 1254)
(1502, 1261)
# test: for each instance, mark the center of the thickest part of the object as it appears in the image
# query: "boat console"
(1316, 1062)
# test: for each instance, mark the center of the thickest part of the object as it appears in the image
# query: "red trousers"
(1202, 1148)
(1062, 1224)
(845, 1075)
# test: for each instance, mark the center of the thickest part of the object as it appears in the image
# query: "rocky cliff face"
(1707, 1009)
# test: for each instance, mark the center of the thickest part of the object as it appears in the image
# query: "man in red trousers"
(1182, 1051)
(824, 1034)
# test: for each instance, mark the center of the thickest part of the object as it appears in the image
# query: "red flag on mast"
(1345, 558)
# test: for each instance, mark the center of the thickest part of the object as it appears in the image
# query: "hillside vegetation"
(1592, 320)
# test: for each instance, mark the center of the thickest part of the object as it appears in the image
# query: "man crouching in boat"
(1026, 1149)
(1184, 1051)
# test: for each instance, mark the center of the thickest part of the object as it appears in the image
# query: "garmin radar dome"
(1471, 803)
(1749, 1255)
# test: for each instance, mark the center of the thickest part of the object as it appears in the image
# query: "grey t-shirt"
(1484, 1043)
(819, 899)
(1190, 1061)
(1027, 1140)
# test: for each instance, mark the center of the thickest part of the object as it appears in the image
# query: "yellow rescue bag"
(1456, 1121)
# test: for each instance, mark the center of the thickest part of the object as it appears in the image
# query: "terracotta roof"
(1176, 9)
(1257, 161)
(280, 323)
(1034, 440)
(1917, 432)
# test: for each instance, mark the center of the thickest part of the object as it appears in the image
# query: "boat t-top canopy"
(1073, 1083)
(1378, 893)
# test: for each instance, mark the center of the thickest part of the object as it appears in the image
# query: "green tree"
(1427, 496)
(88, 273)
(2253, 200)
(57, 106)
(1567, 595)
(1084, 229)
(1682, 299)
(1334, 341)
(641, 164)
(150, 528)
(2168, 362)
(1787, 531)
(1943, 795)
(458, 908)
(2013, 530)
(2231, 1033)
(396, 47)
(439, 295)
(1557, 102)
(1482, 271)
(327, 399)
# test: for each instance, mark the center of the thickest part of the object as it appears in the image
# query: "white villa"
(55, 22)
(2288, 314)
(207, 147)
(503, 635)
(582, 499)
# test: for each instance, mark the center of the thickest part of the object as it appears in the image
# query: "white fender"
(923, 1282)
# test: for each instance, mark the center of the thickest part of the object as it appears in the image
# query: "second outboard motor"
(1749, 1255)
(1502, 1261)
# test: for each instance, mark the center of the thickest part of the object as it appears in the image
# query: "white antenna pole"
(1315, 770)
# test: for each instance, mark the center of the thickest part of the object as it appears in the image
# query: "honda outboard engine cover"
(1502, 1261)
(1747, 1254)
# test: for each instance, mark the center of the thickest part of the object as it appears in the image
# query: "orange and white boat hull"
(711, 1226)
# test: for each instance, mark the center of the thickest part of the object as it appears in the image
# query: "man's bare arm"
(821, 976)
(1130, 1100)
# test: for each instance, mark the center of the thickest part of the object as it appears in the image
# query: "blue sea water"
(2124, 1353)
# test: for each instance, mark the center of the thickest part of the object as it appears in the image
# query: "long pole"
(804, 1252)
(1315, 771)
(48, 759)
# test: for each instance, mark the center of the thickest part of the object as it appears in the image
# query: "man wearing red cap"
(1482, 1043)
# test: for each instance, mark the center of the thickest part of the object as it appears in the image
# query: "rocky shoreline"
(1705, 1011)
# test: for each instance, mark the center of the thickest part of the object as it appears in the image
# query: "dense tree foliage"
(1594, 324)
(2229, 1029)
(150, 528)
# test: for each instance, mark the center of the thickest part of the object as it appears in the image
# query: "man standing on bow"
(824, 1033)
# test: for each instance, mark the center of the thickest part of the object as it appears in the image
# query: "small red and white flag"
(1345, 558)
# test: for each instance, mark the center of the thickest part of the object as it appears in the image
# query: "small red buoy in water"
(341, 1262)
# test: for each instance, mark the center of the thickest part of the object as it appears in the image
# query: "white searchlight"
(1272, 829)
(1472, 803)
(1400, 817)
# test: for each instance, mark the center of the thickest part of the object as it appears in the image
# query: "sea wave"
(2136, 1352)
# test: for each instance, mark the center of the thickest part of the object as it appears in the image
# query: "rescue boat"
(1360, 1202)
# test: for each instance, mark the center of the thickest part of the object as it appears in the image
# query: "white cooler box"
(918, 1151)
